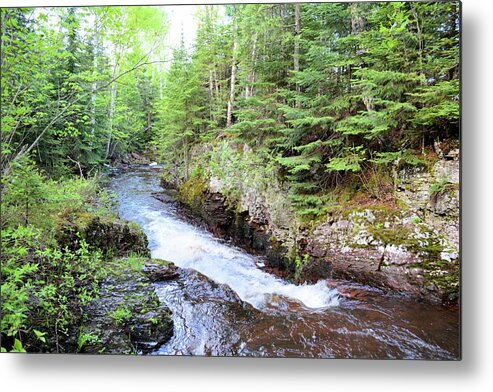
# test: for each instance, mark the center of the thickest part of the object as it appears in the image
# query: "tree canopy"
(331, 94)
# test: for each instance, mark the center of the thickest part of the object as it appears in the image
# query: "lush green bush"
(31, 198)
(45, 286)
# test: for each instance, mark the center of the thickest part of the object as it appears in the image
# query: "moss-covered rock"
(128, 317)
(192, 192)
(113, 236)
(386, 248)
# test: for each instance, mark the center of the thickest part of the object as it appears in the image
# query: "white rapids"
(190, 247)
(175, 240)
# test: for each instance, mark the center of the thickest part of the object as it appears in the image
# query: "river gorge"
(224, 303)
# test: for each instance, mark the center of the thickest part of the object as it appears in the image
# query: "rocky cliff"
(411, 246)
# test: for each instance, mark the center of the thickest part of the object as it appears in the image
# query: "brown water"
(223, 304)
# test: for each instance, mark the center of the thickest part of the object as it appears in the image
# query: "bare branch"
(78, 164)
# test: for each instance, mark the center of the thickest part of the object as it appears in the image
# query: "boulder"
(112, 236)
(128, 318)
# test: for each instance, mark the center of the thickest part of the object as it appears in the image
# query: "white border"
(473, 373)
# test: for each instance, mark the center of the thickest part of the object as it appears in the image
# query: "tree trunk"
(420, 40)
(112, 111)
(296, 54)
(216, 83)
(357, 21)
(251, 75)
(211, 94)
(94, 73)
(161, 83)
(231, 100)
(357, 27)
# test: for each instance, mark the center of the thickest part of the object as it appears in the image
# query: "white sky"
(181, 18)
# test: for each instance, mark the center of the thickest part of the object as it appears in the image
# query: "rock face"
(387, 249)
(118, 237)
(128, 317)
(114, 237)
(412, 249)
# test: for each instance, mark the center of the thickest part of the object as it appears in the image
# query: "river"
(274, 318)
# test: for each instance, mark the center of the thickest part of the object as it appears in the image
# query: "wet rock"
(168, 197)
(215, 212)
(201, 289)
(127, 318)
(168, 185)
(314, 269)
(353, 291)
(136, 158)
(150, 330)
(160, 273)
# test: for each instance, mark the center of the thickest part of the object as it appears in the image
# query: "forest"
(332, 100)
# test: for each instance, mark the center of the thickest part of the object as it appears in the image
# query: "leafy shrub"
(29, 198)
(43, 286)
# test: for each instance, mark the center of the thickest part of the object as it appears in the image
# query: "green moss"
(445, 277)
(387, 229)
(300, 262)
(192, 191)
(135, 261)
(162, 262)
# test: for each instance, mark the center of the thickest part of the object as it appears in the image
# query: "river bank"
(408, 244)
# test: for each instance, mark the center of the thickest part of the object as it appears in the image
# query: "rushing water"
(273, 317)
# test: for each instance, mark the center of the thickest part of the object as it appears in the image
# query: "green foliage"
(439, 186)
(31, 198)
(121, 315)
(238, 168)
(58, 94)
(39, 282)
(86, 338)
(135, 262)
(374, 84)
(18, 348)
(44, 285)
(300, 262)
(373, 80)
(25, 193)
(40, 335)
(351, 161)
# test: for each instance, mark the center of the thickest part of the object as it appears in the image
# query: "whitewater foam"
(189, 247)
